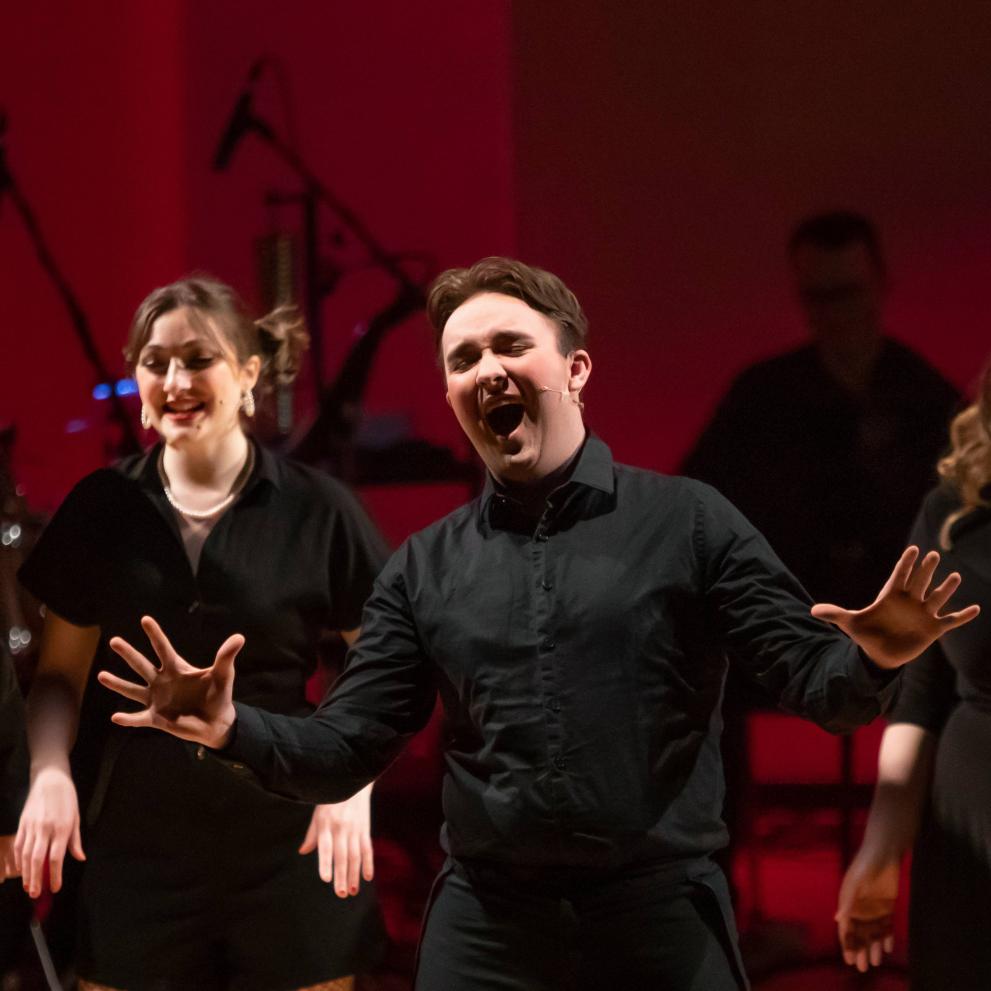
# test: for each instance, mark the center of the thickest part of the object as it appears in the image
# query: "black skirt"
(193, 880)
(950, 911)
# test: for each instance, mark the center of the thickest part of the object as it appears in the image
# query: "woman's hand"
(865, 914)
(905, 617)
(188, 702)
(49, 826)
(341, 835)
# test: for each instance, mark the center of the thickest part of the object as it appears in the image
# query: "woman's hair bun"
(282, 340)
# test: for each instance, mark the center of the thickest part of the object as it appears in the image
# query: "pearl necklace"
(205, 514)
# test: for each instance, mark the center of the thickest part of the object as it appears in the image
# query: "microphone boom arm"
(344, 213)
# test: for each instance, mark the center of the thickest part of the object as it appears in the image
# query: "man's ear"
(579, 371)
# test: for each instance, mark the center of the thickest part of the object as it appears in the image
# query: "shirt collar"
(144, 468)
(593, 470)
(595, 466)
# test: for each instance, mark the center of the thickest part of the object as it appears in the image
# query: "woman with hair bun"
(933, 793)
(193, 875)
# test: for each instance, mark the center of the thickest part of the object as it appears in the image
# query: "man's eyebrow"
(501, 336)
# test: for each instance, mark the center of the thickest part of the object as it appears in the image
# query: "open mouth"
(504, 419)
(182, 411)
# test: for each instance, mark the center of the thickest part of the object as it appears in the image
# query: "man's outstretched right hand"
(189, 702)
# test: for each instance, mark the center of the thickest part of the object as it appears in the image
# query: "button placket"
(547, 645)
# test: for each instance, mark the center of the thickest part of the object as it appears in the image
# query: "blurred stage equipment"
(20, 614)
(128, 442)
(330, 439)
(275, 255)
(45, 956)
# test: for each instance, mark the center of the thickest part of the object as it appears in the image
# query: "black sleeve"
(357, 555)
(63, 569)
(384, 696)
(13, 748)
(928, 690)
(809, 667)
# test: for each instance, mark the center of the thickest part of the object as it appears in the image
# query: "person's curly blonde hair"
(968, 465)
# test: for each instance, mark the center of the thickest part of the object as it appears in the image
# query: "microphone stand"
(347, 216)
(327, 431)
(129, 443)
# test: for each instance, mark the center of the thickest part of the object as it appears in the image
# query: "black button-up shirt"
(580, 658)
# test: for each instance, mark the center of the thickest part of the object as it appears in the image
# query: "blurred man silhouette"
(828, 449)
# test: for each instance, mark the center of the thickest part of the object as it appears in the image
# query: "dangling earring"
(248, 402)
(145, 418)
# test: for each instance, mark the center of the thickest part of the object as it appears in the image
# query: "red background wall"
(403, 110)
(654, 155)
(663, 152)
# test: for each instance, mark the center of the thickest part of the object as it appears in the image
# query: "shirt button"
(193, 607)
(554, 705)
(546, 585)
(559, 762)
(548, 645)
(201, 752)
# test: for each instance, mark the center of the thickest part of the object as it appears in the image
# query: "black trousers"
(490, 928)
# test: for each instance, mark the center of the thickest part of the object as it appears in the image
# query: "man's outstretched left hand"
(905, 617)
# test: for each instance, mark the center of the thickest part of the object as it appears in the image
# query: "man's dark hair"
(541, 291)
(838, 229)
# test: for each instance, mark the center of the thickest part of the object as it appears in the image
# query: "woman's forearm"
(905, 766)
(52, 721)
(52, 708)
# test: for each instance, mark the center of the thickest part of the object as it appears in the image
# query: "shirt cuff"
(871, 679)
(246, 749)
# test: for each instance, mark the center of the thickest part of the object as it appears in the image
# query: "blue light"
(123, 387)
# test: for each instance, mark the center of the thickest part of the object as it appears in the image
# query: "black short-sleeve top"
(294, 556)
(954, 668)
